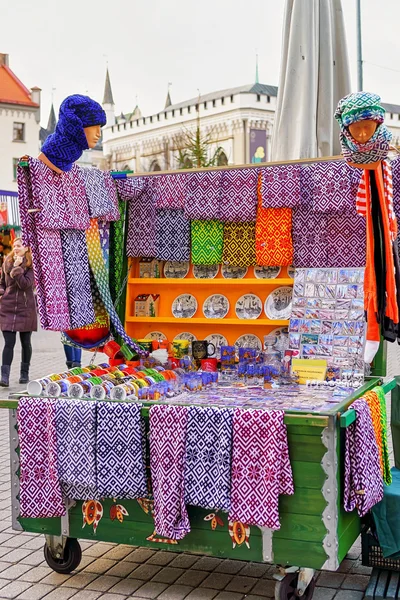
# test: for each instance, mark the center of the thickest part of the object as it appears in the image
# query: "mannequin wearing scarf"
(365, 144)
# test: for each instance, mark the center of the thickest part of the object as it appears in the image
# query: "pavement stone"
(202, 594)
(151, 589)
(216, 581)
(103, 583)
(192, 577)
(14, 589)
(168, 575)
(175, 592)
(349, 595)
(355, 582)
(241, 584)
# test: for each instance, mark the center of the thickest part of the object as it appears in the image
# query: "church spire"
(108, 96)
(257, 79)
(168, 100)
(52, 122)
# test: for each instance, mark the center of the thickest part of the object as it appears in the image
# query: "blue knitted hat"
(66, 144)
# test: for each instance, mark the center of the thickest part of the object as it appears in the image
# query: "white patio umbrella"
(314, 76)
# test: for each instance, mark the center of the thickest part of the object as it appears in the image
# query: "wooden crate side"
(349, 525)
(46, 526)
(299, 553)
(308, 528)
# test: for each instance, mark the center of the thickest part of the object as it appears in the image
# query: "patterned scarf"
(238, 200)
(208, 457)
(167, 459)
(172, 235)
(141, 237)
(76, 448)
(280, 186)
(274, 245)
(203, 193)
(101, 194)
(207, 242)
(171, 191)
(40, 491)
(363, 484)
(333, 187)
(261, 469)
(387, 473)
(121, 471)
(118, 260)
(239, 244)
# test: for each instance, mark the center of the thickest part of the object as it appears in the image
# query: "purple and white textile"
(238, 201)
(203, 195)
(167, 462)
(40, 492)
(140, 192)
(170, 190)
(208, 457)
(333, 187)
(121, 469)
(363, 482)
(101, 194)
(76, 448)
(172, 235)
(280, 186)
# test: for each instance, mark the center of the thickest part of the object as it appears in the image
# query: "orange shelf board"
(217, 281)
(202, 321)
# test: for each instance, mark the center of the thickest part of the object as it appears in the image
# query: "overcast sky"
(207, 45)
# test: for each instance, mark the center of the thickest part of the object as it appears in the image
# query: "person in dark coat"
(17, 309)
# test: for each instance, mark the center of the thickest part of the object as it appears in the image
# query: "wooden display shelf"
(204, 321)
(216, 281)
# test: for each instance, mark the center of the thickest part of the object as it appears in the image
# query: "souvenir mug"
(202, 349)
(180, 348)
(146, 345)
(209, 364)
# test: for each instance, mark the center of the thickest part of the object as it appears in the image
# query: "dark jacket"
(17, 302)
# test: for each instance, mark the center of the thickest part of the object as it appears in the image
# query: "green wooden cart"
(316, 532)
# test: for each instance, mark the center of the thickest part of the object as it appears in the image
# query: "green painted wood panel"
(305, 501)
(309, 528)
(45, 526)
(306, 448)
(299, 553)
(307, 474)
(315, 431)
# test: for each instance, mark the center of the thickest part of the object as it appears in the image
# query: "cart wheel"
(71, 559)
(286, 589)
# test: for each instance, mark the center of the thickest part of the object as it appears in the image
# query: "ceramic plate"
(155, 335)
(291, 271)
(233, 272)
(176, 270)
(249, 306)
(281, 335)
(184, 306)
(185, 335)
(205, 271)
(278, 305)
(218, 340)
(216, 306)
(248, 340)
(266, 272)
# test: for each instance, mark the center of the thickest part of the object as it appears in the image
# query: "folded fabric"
(239, 244)
(238, 201)
(386, 518)
(141, 236)
(121, 469)
(208, 457)
(170, 190)
(202, 195)
(333, 187)
(76, 448)
(61, 198)
(363, 484)
(101, 194)
(207, 242)
(261, 469)
(280, 186)
(274, 245)
(40, 491)
(167, 459)
(172, 235)
(387, 474)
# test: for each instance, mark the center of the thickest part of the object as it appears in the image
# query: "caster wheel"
(71, 559)
(286, 589)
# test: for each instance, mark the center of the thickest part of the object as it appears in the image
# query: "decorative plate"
(176, 270)
(266, 272)
(185, 335)
(229, 272)
(216, 306)
(184, 306)
(249, 306)
(281, 335)
(248, 340)
(218, 340)
(155, 335)
(291, 271)
(278, 305)
(205, 271)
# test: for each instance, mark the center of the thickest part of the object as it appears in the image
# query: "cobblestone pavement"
(118, 572)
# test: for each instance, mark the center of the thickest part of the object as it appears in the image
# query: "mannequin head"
(93, 134)
(362, 131)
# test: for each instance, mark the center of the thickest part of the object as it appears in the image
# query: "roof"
(12, 90)
(391, 108)
(108, 96)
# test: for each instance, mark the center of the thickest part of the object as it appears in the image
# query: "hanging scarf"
(208, 457)
(172, 235)
(167, 459)
(141, 236)
(334, 187)
(101, 194)
(238, 200)
(118, 260)
(280, 187)
(170, 190)
(207, 242)
(363, 484)
(261, 469)
(121, 470)
(387, 473)
(239, 244)
(202, 195)
(40, 492)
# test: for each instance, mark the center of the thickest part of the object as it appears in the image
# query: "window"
(222, 160)
(158, 117)
(112, 128)
(15, 165)
(205, 104)
(151, 119)
(165, 115)
(181, 111)
(19, 132)
(213, 103)
(137, 122)
(268, 99)
(232, 98)
(189, 109)
(173, 113)
(144, 120)
(398, 117)
(131, 124)
(155, 166)
(197, 108)
(222, 100)
(391, 115)
(258, 98)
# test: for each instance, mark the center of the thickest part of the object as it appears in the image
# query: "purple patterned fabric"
(101, 194)
(203, 195)
(131, 187)
(238, 202)
(40, 491)
(121, 470)
(280, 186)
(167, 459)
(141, 192)
(261, 469)
(395, 164)
(61, 197)
(76, 448)
(170, 190)
(363, 483)
(208, 457)
(334, 187)
(172, 235)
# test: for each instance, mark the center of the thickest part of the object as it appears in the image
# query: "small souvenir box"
(146, 305)
(150, 267)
